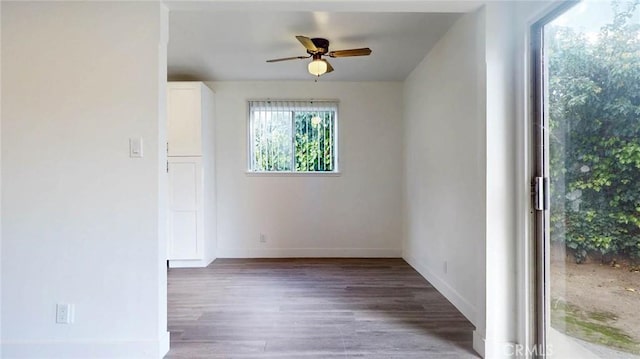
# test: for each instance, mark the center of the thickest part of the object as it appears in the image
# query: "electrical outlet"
(445, 267)
(263, 238)
(64, 313)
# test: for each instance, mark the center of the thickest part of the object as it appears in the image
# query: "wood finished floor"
(312, 308)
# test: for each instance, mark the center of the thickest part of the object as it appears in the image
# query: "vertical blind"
(293, 136)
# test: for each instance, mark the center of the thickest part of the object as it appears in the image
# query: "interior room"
(429, 179)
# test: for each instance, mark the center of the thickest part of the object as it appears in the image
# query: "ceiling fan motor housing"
(321, 44)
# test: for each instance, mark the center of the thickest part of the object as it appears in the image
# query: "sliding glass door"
(587, 180)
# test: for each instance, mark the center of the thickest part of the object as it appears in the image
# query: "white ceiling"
(233, 45)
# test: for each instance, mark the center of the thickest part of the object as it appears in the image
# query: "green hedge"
(594, 102)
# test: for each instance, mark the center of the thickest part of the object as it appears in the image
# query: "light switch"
(135, 147)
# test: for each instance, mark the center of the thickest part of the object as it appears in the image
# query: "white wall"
(445, 167)
(80, 218)
(162, 204)
(500, 253)
(355, 214)
(209, 172)
(0, 182)
(467, 120)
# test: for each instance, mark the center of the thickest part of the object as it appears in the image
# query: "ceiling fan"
(318, 47)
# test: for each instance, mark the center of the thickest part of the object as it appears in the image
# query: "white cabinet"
(184, 113)
(191, 167)
(185, 208)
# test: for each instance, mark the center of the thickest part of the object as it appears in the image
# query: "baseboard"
(197, 263)
(466, 308)
(509, 350)
(309, 252)
(479, 343)
(165, 344)
(152, 349)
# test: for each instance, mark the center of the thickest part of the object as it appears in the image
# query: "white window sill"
(293, 174)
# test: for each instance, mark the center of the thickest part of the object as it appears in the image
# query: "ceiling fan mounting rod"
(321, 44)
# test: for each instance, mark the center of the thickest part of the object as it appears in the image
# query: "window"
(293, 136)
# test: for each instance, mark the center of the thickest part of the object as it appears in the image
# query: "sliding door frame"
(540, 180)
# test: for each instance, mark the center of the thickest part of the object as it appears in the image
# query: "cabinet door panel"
(185, 208)
(183, 179)
(184, 121)
(184, 235)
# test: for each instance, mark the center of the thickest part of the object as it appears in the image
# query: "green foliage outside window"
(311, 149)
(594, 104)
(314, 141)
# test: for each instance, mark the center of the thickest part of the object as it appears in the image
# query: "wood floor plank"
(308, 308)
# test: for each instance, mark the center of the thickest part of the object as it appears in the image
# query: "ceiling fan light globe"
(317, 67)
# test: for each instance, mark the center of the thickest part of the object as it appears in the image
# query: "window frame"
(335, 105)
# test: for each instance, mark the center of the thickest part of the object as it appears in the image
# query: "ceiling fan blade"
(329, 67)
(365, 51)
(289, 58)
(307, 43)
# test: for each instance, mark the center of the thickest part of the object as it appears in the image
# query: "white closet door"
(186, 208)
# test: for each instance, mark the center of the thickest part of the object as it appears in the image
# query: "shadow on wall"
(184, 77)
